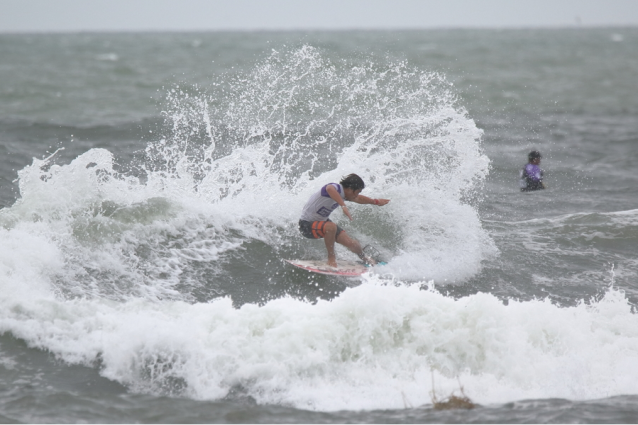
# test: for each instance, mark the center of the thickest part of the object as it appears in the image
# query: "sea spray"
(297, 121)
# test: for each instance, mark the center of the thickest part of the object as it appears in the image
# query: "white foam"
(374, 347)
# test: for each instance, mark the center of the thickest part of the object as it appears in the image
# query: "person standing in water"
(531, 176)
(315, 224)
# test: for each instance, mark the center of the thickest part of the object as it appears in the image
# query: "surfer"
(315, 224)
(531, 176)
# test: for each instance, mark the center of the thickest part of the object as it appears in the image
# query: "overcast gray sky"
(189, 15)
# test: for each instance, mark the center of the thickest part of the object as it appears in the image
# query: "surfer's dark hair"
(533, 155)
(352, 181)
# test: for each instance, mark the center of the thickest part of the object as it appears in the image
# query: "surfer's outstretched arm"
(362, 199)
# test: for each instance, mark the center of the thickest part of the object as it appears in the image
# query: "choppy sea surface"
(150, 186)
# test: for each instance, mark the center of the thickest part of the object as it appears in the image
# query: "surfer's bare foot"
(332, 263)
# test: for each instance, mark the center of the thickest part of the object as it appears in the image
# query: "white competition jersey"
(320, 205)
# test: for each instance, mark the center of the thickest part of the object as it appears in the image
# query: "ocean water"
(150, 186)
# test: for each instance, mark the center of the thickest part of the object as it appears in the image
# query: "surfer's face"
(351, 194)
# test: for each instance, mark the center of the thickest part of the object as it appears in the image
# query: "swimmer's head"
(534, 155)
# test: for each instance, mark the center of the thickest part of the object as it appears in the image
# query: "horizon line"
(318, 29)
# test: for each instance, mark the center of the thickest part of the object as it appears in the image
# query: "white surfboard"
(344, 268)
